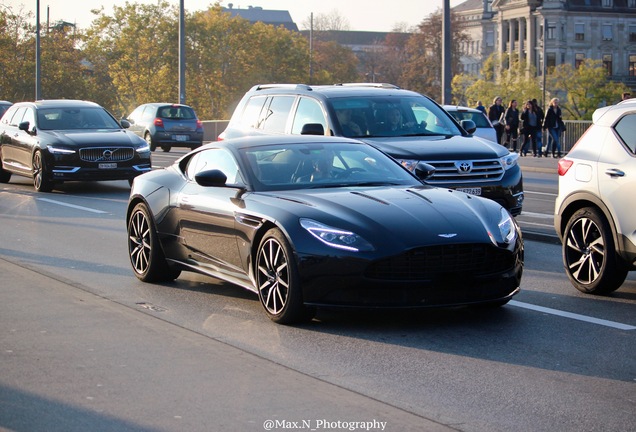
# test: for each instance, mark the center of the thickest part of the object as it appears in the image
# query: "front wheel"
(589, 254)
(278, 281)
(41, 181)
(146, 256)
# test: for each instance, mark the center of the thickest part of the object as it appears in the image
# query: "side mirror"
(424, 171)
(213, 177)
(24, 126)
(312, 129)
(469, 126)
(125, 123)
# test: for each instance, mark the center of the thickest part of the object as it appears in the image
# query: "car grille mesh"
(453, 172)
(435, 262)
(106, 154)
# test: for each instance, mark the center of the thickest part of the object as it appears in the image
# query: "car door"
(206, 214)
(17, 147)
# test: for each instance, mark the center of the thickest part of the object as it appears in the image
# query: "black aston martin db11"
(310, 221)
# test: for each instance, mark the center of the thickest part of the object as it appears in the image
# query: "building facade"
(573, 31)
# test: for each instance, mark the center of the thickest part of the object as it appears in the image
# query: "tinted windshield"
(297, 166)
(75, 118)
(391, 116)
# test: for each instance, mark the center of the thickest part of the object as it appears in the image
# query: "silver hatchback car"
(595, 206)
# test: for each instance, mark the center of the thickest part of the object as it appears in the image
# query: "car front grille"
(465, 172)
(106, 154)
(442, 261)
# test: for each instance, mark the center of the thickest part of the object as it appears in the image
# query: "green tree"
(582, 90)
(17, 56)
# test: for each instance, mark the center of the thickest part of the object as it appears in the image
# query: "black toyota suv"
(404, 124)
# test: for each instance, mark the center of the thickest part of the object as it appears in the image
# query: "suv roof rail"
(366, 84)
(289, 86)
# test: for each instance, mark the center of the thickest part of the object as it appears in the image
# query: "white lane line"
(88, 209)
(578, 317)
(537, 215)
(540, 193)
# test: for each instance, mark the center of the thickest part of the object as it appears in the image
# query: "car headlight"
(337, 238)
(59, 150)
(408, 164)
(145, 148)
(507, 227)
(509, 160)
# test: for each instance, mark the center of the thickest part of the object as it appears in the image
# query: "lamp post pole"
(446, 55)
(182, 59)
(38, 67)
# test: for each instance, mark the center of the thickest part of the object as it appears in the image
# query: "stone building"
(573, 30)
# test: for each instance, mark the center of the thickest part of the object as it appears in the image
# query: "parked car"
(483, 126)
(310, 221)
(594, 210)
(54, 141)
(424, 132)
(167, 125)
(4, 106)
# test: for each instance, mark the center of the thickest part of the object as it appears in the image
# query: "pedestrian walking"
(540, 117)
(553, 123)
(511, 117)
(530, 125)
(496, 115)
(481, 108)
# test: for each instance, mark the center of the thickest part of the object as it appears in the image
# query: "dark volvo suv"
(404, 124)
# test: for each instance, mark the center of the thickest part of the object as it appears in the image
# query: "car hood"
(401, 217)
(97, 137)
(438, 147)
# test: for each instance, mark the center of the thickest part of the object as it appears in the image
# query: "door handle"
(615, 172)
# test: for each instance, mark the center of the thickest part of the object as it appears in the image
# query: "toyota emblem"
(464, 167)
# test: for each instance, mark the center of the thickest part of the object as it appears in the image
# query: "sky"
(362, 15)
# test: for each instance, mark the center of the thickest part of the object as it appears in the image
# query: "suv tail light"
(564, 166)
(158, 122)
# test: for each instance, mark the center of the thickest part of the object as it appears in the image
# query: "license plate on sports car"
(180, 137)
(472, 191)
(109, 165)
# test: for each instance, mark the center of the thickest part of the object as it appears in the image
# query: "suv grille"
(106, 154)
(463, 172)
(442, 261)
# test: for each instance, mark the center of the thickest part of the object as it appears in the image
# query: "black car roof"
(60, 103)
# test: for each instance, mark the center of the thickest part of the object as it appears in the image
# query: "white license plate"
(472, 191)
(109, 165)
(181, 137)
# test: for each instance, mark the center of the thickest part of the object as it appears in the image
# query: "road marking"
(540, 193)
(578, 317)
(71, 205)
(537, 215)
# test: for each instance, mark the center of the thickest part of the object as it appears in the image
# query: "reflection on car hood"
(414, 215)
(112, 137)
(439, 147)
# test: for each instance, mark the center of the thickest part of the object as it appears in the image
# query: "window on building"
(550, 61)
(607, 63)
(607, 32)
(632, 30)
(631, 3)
(579, 58)
(632, 65)
(490, 38)
(551, 31)
(579, 32)
(608, 3)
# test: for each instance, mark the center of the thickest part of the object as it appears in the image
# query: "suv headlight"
(337, 238)
(60, 150)
(509, 160)
(408, 164)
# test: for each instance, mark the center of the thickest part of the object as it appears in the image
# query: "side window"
(6, 119)
(277, 113)
(251, 116)
(148, 115)
(29, 116)
(214, 159)
(308, 111)
(625, 129)
(17, 117)
(134, 116)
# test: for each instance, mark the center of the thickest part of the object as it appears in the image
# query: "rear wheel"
(146, 256)
(41, 181)
(278, 282)
(166, 148)
(150, 142)
(5, 176)
(589, 253)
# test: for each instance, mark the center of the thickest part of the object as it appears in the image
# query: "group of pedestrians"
(523, 131)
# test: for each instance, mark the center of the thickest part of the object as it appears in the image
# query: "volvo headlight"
(145, 148)
(59, 150)
(335, 237)
(509, 160)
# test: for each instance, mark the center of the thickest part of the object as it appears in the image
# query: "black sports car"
(54, 141)
(310, 221)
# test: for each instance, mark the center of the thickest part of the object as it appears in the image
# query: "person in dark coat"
(541, 116)
(530, 126)
(512, 125)
(495, 114)
(553, 123)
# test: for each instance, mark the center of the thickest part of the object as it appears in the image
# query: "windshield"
(75, 118)
(391, 116)
(298, 166)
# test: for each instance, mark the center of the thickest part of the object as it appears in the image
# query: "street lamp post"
(38, 68)
(182, 62)
(446, 55)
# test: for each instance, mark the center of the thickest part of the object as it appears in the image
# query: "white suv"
(595, 210)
